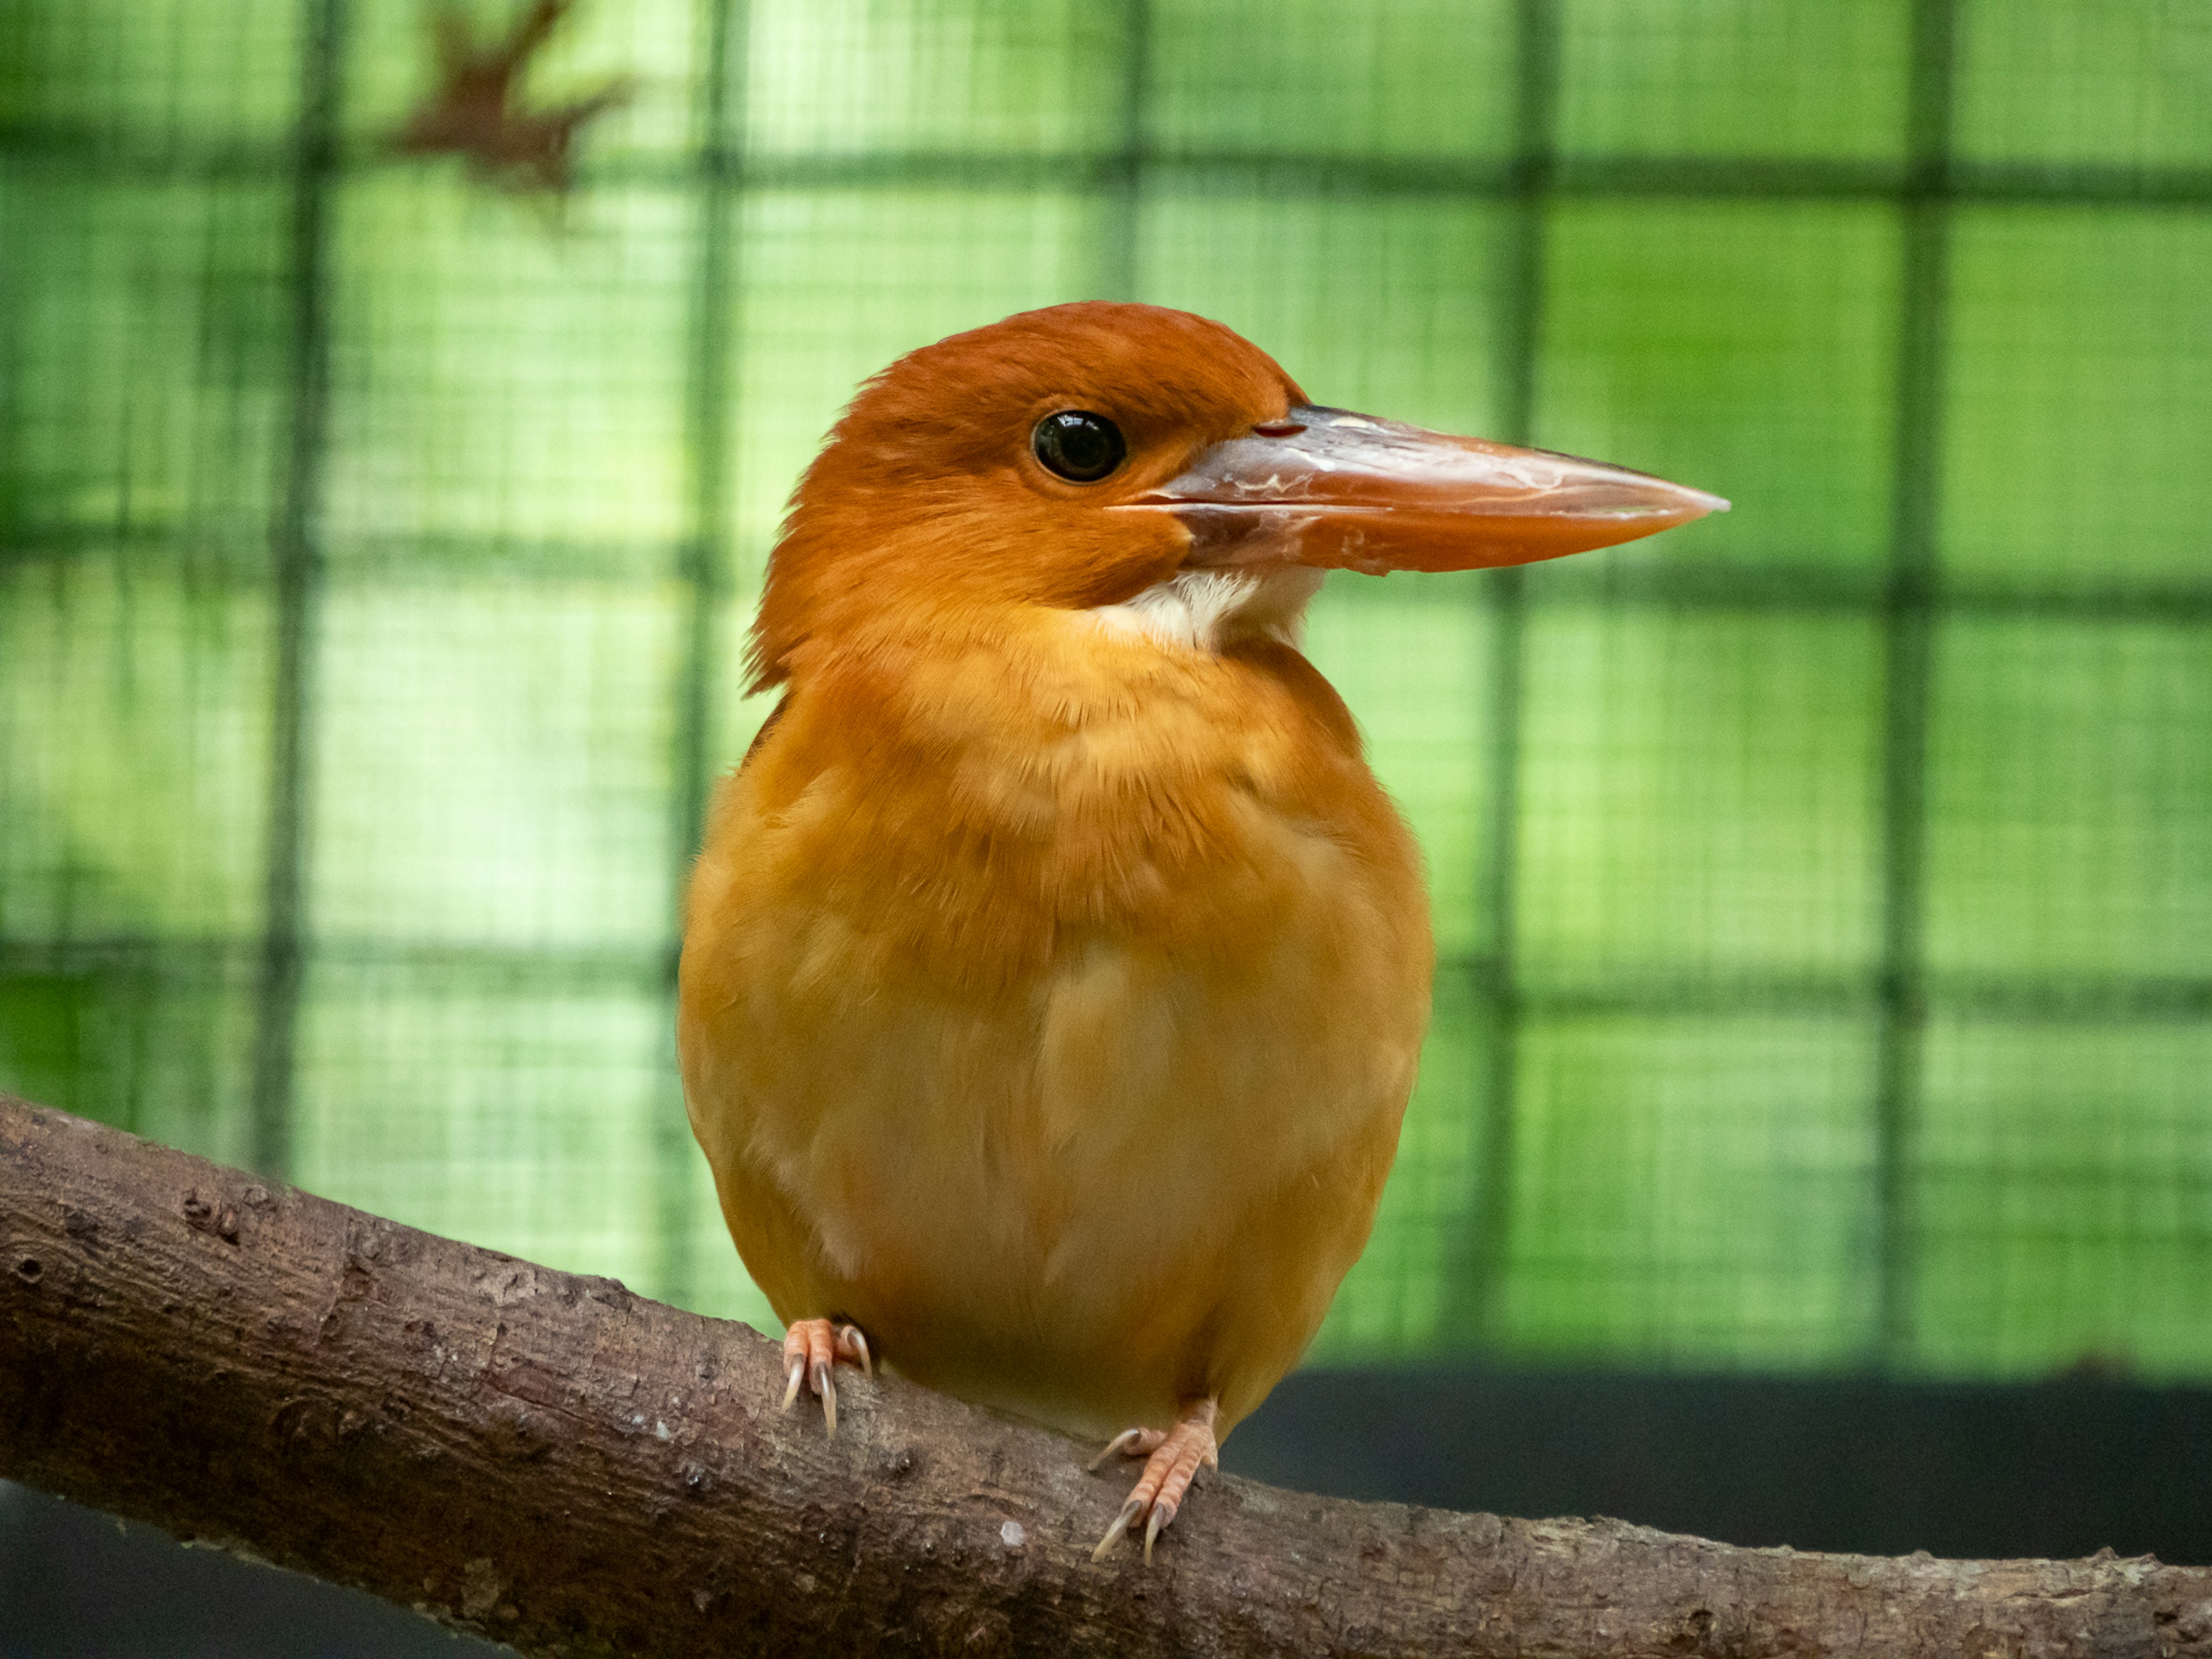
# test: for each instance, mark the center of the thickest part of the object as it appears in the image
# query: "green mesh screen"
(1825, 891)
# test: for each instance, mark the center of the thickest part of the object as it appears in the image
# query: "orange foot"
(1172, 1457)
(811, 1348)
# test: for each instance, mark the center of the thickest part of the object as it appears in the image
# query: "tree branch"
(562, 1466)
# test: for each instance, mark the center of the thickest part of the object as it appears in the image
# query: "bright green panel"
(1699, 795)
(1768, 79)
(133, 744)
(1397, 1301)
(1412, 658)
(1693, 1192)
(2079, 414)
(493, 764)
(655, 48)
(144, 342)
(501, 372)
(160, 1048)
(839, 285)
(2069, 796)
(1388, 305)
(1416, 78)
(2063, 82)
(2064, 1200)
(990, 77)
(521, 1121)
(195, 70)
(1744, 347)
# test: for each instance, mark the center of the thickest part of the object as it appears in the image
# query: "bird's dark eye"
(1081, 446)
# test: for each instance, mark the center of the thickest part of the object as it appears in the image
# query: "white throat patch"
(1205, 610)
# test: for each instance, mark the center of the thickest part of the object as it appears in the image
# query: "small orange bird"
(1055, 969)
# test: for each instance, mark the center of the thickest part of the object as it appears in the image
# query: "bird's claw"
(1130, 1443)
(811, 1348)
(1105, 1546)
(1172, 1460)
(1163, 1512)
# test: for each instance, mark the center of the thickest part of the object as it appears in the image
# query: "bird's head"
(1076, 456)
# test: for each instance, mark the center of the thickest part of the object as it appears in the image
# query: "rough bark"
(557, 1463)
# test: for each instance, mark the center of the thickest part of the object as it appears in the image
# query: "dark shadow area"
(78, 1585)
(2059, 1469)
(2056, 1469)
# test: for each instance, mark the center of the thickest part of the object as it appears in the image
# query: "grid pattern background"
(1825, 892)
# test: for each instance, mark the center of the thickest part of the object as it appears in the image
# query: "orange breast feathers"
(1055, 969)
(1050, 1009)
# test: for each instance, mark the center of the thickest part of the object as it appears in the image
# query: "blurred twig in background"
(477, 110)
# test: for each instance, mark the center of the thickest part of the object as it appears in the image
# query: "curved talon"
(1130, 1443)
(1121, 1525)
(812, 1348)
(1162, 1513)
(853, 1344)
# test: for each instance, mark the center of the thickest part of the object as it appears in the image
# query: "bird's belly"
(1087, 1202)
(1074, 1082)
(1134, 1176)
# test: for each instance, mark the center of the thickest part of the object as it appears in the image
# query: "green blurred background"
(1825, 891)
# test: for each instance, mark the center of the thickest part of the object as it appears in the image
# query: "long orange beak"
(1326, 487)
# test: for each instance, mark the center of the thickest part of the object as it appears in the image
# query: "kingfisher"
(1055, 969)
